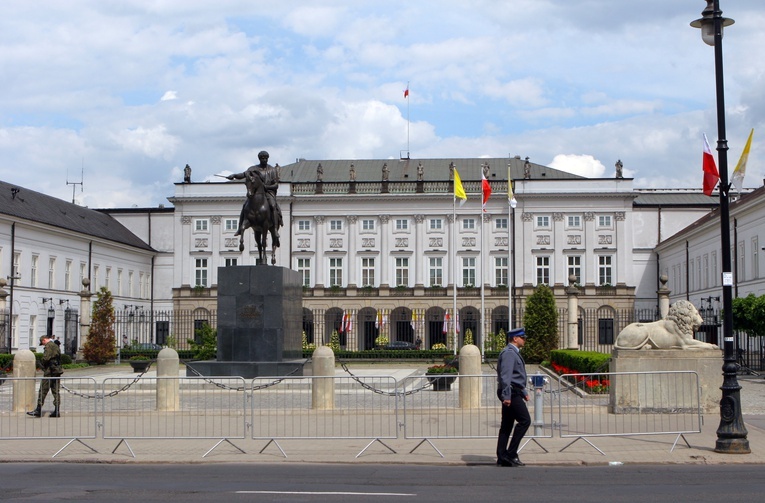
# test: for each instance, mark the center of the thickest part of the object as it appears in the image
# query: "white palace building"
(382, 249)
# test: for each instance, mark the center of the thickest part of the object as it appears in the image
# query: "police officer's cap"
(517, 332)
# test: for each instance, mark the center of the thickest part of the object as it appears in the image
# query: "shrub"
(207, 347)
(442, 369)
(541, 322)
(585, 362)
(468, 337)
(334, 341)
(100, 346)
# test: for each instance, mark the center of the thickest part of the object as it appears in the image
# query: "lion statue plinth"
(673, 332)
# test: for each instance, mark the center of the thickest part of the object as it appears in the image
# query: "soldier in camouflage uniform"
(51, 364)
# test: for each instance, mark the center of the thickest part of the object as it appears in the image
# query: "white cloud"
(152, 142)
(581, 86)
(578, 164)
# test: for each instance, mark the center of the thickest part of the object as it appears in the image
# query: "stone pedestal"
(260, 313)
(662, 392)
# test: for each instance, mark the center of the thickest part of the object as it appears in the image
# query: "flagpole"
(407, 120)
(510, 246)
(483, 286)
(454, 277)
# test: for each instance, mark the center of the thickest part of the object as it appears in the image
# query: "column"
(320, 280)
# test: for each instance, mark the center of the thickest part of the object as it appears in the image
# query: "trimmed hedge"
(586, 362)
(6, 360)
(388, 354)
(183, 354)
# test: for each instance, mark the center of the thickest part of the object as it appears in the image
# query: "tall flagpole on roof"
(453, 259)
(480, 276)
(511, 204)
(406, 95)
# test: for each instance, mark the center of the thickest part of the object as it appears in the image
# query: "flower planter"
(441, 382)
(139, 365)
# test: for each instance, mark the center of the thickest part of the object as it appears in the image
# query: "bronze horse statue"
(256, 214)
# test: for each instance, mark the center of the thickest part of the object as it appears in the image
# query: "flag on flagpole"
(446, 323)
(378, 320)
(457, 325)
(406, 91)
(346, 323)
(510, 196)
(486, 189)
(738, 174)
(414, 319)
(459, 190)
(711, 175)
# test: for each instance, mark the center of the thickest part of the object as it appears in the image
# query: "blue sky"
(133, 91)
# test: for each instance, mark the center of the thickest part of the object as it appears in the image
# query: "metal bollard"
(538, 381)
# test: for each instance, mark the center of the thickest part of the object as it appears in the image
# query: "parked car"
(400, 345)
(146, 346)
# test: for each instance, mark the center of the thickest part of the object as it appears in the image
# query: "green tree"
(468, 337)
(101, 344)
(334, 341)
(749, 314)
(205, 344)
(540, 320)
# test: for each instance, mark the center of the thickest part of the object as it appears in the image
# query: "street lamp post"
(731, 434)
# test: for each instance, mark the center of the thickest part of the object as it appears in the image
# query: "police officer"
(511, 391)
(51, 364)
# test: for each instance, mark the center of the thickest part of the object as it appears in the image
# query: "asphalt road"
(288, 482)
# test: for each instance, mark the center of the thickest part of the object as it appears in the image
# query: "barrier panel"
(355, 407)
(431, 414)
(174, 408)
(628, 404)
(79, 410)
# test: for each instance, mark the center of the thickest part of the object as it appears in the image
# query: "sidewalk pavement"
(645, 449)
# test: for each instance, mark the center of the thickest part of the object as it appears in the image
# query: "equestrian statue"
(260, 211)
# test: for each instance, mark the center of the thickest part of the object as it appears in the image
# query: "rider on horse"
(270, 178)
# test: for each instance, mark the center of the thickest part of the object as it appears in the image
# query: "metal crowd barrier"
(628, 404)
(431, 414)
(150, 408)
(79, 412)
(350, 407)
(362, 407)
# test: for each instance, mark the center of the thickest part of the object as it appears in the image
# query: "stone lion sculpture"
(673, 332)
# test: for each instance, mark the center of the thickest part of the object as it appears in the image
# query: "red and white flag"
(486, 189)
(457, 325)
(446, 323)
(711, 175)
(346, 326)
(406, 91)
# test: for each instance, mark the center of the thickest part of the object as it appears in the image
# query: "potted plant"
(441, 377)
(139, 363)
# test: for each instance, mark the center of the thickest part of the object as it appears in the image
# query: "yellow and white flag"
(738, 174)
(510, 196)
(459, 190)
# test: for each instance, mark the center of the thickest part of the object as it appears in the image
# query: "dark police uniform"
(511, 385)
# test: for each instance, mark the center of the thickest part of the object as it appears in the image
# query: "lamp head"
(707, 23)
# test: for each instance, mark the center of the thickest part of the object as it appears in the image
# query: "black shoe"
(516, 462)
(504, 461)
(55, 413)
(35, 413)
